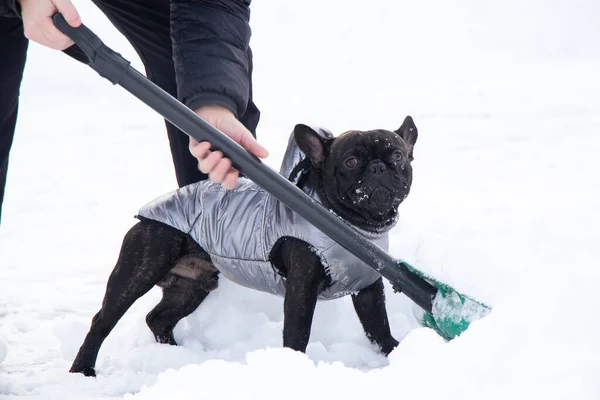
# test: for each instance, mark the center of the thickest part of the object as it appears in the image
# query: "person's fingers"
(68, 10)
(207, 164)
(220, 170)
(230, 179)
(55, 38)
(34, 31)
(199, 150)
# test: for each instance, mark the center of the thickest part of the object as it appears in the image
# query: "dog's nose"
(377, 167)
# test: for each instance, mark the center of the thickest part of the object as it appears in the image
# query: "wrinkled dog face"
(362, 175)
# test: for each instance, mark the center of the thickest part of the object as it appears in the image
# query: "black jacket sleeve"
(211, 52)
(10, 8)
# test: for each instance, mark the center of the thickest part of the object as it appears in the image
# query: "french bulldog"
(187, 239)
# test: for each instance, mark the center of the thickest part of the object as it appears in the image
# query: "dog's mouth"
(370, 207)
(378, 201)
(380, 198)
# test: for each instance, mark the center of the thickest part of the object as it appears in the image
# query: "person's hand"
(213, 163)
(38, 24)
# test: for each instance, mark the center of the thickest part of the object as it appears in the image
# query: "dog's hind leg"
(184, 288)
(149, 251)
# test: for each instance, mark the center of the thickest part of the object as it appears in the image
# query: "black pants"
(146, 24)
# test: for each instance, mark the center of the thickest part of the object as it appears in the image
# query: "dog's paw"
(165, 338)
(389, 346)
(87, 371)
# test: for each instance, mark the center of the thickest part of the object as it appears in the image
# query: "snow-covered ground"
(504, 207)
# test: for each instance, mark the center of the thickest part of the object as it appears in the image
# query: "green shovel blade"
(452, 312)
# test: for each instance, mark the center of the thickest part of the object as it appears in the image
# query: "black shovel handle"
(116, 69)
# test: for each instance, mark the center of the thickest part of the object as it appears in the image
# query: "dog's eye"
(397, 156)
(351, 162)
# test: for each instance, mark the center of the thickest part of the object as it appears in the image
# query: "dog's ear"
(409, 133)
(315, 146)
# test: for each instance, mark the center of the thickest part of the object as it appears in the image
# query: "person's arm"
(9, 8)
(210, 51)
(211, 56)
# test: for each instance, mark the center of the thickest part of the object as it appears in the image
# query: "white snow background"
(504, 207)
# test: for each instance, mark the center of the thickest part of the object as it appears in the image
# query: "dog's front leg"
(369, 304)
(305, 280)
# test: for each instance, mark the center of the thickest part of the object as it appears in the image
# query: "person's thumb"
(68, 10)
(251, 144)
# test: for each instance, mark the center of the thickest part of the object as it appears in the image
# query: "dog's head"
(363, 176)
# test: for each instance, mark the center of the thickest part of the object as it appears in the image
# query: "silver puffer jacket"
(239, 228)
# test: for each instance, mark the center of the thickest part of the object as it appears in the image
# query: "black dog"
(362, 176)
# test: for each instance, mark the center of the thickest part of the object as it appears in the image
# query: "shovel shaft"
(116, 69)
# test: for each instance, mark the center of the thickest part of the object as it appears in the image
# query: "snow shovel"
(442, 308)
